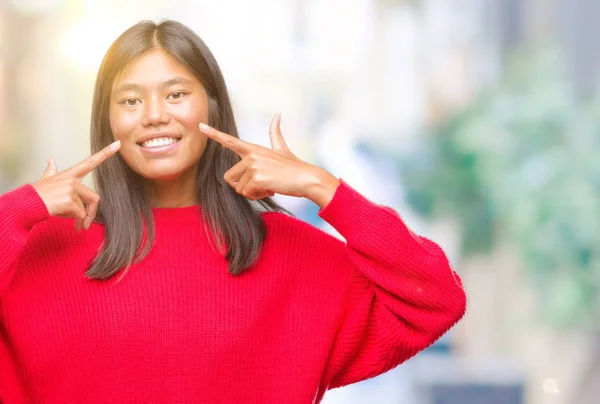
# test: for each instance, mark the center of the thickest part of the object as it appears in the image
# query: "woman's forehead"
(155, 68)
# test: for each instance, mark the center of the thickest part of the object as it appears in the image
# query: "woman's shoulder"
(57, 235)
(297, 230)
(306, 250)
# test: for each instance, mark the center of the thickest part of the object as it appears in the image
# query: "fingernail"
(204, 127)
(278, 118)
(115, 145)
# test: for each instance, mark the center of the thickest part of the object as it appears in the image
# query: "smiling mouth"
(158, 145)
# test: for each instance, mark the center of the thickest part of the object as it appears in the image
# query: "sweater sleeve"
(403, 295)
(20, 210)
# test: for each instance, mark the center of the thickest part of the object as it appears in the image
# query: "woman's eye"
(177, 95)
(130, 102)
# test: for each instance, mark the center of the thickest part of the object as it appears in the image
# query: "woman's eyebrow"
(176, 80)
(165, 84)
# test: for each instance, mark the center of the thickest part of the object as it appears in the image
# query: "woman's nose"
(155, 113)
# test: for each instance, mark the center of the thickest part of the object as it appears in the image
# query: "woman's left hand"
(264, 171)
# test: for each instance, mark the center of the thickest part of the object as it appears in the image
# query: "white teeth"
(161, 141)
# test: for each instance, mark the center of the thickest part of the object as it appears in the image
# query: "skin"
(274, 170)
(153, 94)
(63, 193)
(143, 102)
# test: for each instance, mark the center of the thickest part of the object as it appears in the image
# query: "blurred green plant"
(523, 164)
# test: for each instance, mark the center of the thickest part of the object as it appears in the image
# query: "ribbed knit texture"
(314, 313)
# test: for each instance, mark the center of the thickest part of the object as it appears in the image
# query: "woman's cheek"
(191, 114)
(122, 126)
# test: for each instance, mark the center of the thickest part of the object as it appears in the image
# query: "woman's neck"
(176, 193)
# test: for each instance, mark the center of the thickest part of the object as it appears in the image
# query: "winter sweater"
(315, 312)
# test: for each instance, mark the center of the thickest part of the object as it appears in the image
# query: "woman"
(227, 298)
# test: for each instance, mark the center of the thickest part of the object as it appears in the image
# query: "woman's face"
(156, 97)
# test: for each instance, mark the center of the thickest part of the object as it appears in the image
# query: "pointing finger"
(231, 142)
(86, 166)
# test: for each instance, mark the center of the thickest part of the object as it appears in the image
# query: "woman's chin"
(162, 176)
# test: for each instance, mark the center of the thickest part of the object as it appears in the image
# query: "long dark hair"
(234, 222)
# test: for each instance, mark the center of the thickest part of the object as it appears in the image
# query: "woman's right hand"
(65, 195)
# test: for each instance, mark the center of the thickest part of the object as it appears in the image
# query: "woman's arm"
(403, 297)
(20, 210)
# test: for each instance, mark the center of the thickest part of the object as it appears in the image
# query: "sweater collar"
(186, 214)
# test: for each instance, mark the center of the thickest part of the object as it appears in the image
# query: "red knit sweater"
(313, 314)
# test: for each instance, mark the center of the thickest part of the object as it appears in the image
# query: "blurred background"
(477, 120)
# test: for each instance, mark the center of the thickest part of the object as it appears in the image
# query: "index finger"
(231, 142)
(86, 166)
